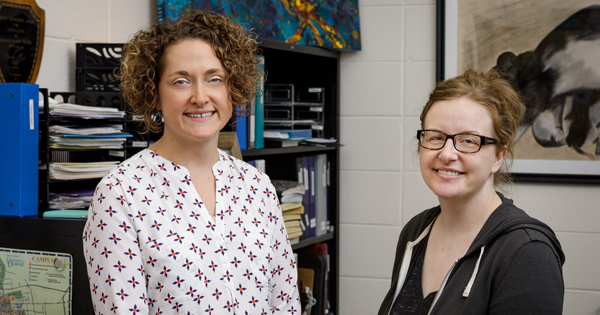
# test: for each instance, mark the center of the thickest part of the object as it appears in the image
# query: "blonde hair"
(494, 93)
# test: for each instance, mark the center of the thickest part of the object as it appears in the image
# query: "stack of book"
(290, 195)
(281, 138)
(292, 217)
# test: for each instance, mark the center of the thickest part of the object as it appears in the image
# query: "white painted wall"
(85, 21)
(382, 90)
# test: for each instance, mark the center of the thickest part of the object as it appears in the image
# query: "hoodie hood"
(507, 218)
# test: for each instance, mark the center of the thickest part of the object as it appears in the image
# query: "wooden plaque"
(21, 40)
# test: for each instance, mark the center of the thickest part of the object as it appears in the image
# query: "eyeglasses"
(463, 142)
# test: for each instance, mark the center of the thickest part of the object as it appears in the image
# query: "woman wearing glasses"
(475, 253)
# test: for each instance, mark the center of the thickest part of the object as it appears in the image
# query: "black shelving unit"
(284, 64)
(308, 66)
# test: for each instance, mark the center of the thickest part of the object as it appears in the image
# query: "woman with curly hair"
(182, 227)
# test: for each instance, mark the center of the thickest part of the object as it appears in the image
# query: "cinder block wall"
(85, 21)
(382, 90)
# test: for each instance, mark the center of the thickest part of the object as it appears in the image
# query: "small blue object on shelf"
(20, 128)
(288, 134)
(66, 214)
(242, 133)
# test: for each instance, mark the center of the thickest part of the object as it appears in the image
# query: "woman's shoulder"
(243, 168)
(419, 222)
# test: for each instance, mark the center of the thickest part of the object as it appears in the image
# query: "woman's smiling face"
(452, 174)
(193, 95)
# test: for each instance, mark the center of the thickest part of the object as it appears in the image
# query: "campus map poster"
(35, 282)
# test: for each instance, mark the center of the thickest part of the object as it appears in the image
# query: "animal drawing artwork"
(560, 83)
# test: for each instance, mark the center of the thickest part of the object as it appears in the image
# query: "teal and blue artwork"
(332, 24)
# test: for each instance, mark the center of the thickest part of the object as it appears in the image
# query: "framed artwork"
(551, 55)
(322, 23)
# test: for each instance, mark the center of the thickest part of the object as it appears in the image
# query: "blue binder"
(19, 128)
(242, 133)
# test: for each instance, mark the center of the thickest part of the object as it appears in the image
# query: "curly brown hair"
(144, 55)
(494, 93)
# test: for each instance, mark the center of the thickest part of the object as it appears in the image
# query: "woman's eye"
(215, 79)
(180, 82)
(469, 141)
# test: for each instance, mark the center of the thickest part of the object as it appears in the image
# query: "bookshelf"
(307, 66)
(285, 64)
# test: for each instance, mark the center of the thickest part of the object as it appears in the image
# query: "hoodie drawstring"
(470, 284)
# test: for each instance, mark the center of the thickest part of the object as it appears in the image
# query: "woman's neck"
(193, 156)
(468, 215)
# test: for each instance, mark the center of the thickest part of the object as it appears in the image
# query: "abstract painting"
(332, 24)
(552, 57)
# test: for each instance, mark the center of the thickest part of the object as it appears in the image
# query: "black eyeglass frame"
(484, 140)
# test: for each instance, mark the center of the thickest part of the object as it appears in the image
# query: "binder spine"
(20, 102)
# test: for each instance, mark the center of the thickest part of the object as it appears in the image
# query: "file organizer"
(19, 186)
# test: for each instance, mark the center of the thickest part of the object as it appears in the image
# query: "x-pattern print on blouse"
(152, 248)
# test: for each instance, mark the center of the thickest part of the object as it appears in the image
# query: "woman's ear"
(499, 158)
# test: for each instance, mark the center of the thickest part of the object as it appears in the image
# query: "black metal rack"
(48, 155)
(284, 63)
(308, 66)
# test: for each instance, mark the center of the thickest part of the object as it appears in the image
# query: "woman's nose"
(200, 95)
(448, 152)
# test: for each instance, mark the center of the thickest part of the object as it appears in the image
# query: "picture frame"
(471, 35)
(228, 142)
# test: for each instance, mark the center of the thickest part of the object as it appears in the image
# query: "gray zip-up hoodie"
(513, 266)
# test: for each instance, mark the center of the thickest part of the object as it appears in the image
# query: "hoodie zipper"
(437, 295)
(469, 285)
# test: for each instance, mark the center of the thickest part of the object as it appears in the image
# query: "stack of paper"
(284, 134)
(81, 111)
(80, 170)
(86, 130)
(77, 199)
(87, 137)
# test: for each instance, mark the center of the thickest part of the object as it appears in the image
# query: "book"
(258, 164)
(299, 211)
(321, 202)
(242, 133)
(66, 213)
(260, 108)
(305, 168)
(295, 233)
(273, 143)
(312, 226)
(292, 206)
(330, 227)
(20, 127)
(288, 134)
(292, 223)
(291, 216)
(251, 124)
